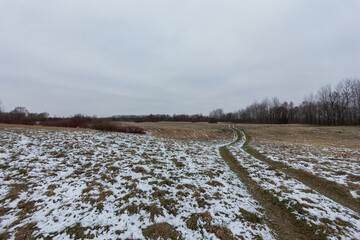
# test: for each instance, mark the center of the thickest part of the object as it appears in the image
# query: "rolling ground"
(180, 181)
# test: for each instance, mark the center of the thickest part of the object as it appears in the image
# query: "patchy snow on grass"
(316, 209)
(89, 184)
(340, 165)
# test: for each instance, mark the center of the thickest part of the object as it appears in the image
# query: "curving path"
(281, 216)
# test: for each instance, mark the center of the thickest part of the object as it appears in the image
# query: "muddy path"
(278, 217)
(330, 189)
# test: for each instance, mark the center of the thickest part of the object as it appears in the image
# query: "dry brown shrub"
(192, 222)
(206, 217)
(25, 232)
(161, 231)
(154, 211)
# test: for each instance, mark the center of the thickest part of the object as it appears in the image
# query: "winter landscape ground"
(180, 181)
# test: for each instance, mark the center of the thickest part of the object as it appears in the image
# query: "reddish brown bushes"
(71, 123)
(19, 121)
(80, 122)
(104, 126)
(213, 120)
(109, 126)
(132, 129)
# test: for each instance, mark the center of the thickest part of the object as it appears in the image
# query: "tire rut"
(330, 189)
(277, 216)
(281, 221)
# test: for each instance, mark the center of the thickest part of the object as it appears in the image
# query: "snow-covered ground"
(306, 203)
(340, 165)
(68, 184)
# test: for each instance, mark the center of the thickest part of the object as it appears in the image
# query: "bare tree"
(217, 114)
(1, 112)
(326, 102)
(19, 113)
(356, 100)
(338, 106)
(343, 89)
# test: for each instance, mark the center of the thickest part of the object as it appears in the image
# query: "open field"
(318, 136)
(332, 153)
(310, 207)
(180, 181)
(185, 130)
(61, 184)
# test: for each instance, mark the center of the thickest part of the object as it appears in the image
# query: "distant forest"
(338, 106)
(329, 106)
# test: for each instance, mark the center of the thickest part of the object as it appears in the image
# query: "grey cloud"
(132, 57)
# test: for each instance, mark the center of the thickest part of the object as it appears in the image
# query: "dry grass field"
(332, 153)
(3, 126)
(185, 130)
(70, 184)
(320, 136)
(180, 181)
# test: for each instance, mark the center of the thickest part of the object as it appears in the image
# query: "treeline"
(20, 115)
(161, 117)
(338, 106)
(329, 106)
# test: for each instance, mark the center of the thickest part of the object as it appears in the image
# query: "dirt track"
(279, 216)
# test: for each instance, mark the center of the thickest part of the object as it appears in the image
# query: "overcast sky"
(139, 57)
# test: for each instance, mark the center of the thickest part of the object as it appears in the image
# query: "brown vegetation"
(68, 124)
(184, 130)
(318, 136)
(322, 136)
(161, 231)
